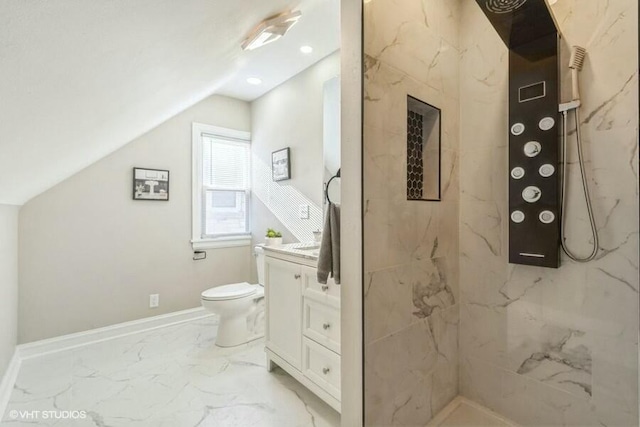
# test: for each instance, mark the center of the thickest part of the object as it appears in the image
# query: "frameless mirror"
(423, 150)
(331, 140)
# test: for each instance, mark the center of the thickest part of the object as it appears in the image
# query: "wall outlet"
(154, 300)
(303, 211)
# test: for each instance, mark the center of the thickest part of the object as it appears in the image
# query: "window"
(221, 187)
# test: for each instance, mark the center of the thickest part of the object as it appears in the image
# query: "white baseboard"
(8, 381)
(67, 342)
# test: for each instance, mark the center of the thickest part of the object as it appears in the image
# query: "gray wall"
(90, 255)
(8, 283)
(553, 346)
(410, 247)
(291, 115)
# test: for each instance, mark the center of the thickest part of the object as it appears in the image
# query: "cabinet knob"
(326, 370)
(326, 326)
(325, 288)
(297, 276)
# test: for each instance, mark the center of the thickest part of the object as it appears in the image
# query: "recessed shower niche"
(423, 150)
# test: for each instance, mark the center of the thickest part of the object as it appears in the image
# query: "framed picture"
(150, 184)
(281, 165)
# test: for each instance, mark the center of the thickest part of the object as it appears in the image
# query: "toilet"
(240, 306)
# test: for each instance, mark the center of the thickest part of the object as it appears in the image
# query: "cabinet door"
(284, 310)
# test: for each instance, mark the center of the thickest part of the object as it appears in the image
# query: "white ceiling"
(79, 79)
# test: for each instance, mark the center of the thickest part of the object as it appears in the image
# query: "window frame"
(198, 195)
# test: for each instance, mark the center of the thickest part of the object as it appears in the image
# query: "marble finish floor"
(173, 376)
(465, 413)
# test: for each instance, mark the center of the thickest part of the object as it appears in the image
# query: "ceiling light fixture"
(270, 30)
(254, 81)
(306, 49)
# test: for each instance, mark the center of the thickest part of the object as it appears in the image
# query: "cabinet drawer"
(322, 324)
(329, 293)
(322, 366)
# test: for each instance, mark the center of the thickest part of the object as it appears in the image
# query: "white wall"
(351, 290)
(90, 255)
(290, 115)
(8, 283)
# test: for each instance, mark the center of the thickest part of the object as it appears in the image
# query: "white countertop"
(307, 250)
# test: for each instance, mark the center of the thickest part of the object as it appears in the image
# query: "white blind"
(225, 163)
(225, 185)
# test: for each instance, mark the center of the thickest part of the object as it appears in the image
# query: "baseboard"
(68, 342)
(8, 381)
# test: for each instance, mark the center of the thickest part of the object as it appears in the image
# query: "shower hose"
(585, 187)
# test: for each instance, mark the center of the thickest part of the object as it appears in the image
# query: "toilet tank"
(259, 254)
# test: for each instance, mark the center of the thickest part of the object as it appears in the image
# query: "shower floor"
(463, 412)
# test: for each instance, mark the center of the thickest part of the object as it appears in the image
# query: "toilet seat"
(228, 292)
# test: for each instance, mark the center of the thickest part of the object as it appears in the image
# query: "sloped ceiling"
(81, 78)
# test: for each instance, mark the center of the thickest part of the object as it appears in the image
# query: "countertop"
(308, 250)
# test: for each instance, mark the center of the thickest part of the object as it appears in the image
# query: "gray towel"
(329, 257)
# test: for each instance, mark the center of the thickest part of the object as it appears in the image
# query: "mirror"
(423, 150)
(331, 140)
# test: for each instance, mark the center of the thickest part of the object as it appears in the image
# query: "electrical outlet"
(154, 300)
(303, 211)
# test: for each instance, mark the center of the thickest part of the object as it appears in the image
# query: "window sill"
(221, 242)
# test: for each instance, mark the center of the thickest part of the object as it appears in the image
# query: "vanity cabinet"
(284, 316)
(303, 324)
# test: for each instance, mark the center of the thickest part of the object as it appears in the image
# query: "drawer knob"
(326, 326)
(325, 288)
(297, 276)
(326, 370)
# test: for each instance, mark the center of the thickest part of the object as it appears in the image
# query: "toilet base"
(237, 330)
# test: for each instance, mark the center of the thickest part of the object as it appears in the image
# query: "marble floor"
(174, 376)
(462, 412)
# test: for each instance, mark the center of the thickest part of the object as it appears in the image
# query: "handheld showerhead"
(575, 64)
(577, 57)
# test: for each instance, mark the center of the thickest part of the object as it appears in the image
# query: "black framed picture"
(150, 184)
(281, 165)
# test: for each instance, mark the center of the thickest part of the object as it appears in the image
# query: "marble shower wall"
(410, 247)
(544, 346)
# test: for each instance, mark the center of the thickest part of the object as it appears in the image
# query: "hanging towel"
(329, 257)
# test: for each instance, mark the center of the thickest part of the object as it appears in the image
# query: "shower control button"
(546, 170)
(546, 217)
(531, 194)
(517, 216)
(532, 148)
(517, 172)
(547, 123)
(517, 129)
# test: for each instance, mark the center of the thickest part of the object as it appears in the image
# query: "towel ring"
(326, 189)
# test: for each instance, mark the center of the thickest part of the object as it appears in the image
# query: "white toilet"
(240, 307)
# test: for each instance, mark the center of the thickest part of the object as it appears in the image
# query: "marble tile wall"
(411, 247)
(545, 346)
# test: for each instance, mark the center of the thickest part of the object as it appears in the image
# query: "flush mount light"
(270, 30)
(306, 49)
(254, 81)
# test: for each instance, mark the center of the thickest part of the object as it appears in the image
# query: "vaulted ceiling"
(81, 78)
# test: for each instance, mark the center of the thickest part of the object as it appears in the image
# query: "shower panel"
(529, 31)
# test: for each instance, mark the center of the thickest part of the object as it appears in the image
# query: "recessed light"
(254, 81)
(306, 49)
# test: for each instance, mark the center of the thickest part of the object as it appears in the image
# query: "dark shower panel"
(534, 217)
(529, 31)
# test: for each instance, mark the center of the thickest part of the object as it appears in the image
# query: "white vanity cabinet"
(303, 324)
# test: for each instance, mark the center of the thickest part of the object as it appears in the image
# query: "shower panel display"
(528, 30)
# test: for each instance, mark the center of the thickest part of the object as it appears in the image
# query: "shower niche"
(423, 150)
(528, 29)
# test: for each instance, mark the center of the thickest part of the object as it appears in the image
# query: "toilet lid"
(233, 291)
